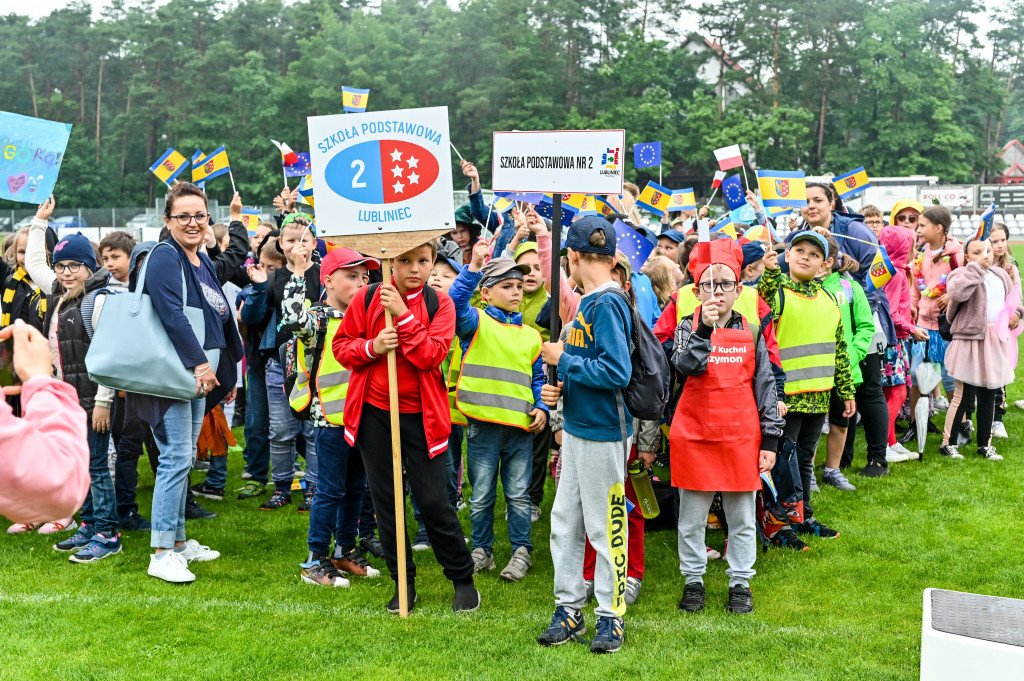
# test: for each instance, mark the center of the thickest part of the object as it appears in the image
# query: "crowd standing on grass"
(762, 346)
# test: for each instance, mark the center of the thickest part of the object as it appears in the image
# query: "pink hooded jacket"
(44, 454)
(898, 242)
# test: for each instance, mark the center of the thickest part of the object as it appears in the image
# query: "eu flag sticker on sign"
(31, 151)
(382, 172)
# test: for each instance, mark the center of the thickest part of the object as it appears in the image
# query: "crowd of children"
(769, 345)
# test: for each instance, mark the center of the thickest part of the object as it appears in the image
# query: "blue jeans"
(339, 493)
(257, 427)
(283, 429)
(490, 446)
(176, 436)
(217, 475)
(99, 511)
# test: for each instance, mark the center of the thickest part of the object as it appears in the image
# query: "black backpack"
(648, 391)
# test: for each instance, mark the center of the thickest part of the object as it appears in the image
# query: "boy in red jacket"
(424, 326)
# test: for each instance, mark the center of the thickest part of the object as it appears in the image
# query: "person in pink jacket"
(44, 454)
(896, 378)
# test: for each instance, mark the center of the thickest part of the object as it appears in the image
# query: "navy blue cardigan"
(163, 284)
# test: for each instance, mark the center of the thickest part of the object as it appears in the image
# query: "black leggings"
(804, 430)
(986, 399)
(874, 414)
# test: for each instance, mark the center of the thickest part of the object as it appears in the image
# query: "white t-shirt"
(996, 295)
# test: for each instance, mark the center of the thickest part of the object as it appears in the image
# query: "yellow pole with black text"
(396, 461)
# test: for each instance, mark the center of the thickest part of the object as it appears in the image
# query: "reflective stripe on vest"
(454, 371)
(331, 381)
(496, 382)
(807, 341)
(746, 304)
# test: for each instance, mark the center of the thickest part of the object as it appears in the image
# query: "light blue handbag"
(131, 351)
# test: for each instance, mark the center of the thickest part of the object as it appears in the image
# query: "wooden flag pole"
(396, 461)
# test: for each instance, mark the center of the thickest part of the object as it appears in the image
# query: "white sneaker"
(989, 453)
(535, 511)
(194, 552)
(170, 567)
(999, 430)
(892, 456)
(940, 403)
(1019, 404)
(712, 554)
(900, 449)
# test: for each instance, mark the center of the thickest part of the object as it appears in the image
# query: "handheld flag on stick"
(300, 168)
(353, 100)
(987, 220)
(603, 207)
(545, 209)
(214, 165)
(654, 198)
(732, 190)
(306, 190)
(196, 158)
(633, 245)
(725, 226)
(501, 203)
(782, 189)
(526, 197)
(729, 157)
(647, 155)
(881, 271)
(715, 184)
(288, 157)
(168, 166)
(588, 206)
(251, 219)
(682, 199)
(852, 183)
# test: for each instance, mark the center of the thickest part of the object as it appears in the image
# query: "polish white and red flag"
(717, 182)
(729, 157)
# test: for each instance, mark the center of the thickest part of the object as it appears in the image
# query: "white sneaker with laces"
(893, 456)
(999, 430)
(990, 453)
(194, 552)
(900, 449)
(632, 590)
(940, 403)
(170, 566)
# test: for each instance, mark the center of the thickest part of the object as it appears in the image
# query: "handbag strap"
(622, 426)
(141, 283)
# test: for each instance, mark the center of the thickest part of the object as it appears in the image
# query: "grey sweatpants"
(590, 502)
(739, 508)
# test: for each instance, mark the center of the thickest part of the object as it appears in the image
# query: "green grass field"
(848, 609)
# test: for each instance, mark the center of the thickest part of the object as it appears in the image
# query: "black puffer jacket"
(73, 340)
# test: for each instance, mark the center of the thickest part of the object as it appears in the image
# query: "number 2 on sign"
(356, 184)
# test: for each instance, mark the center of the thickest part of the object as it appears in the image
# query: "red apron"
(716, 432)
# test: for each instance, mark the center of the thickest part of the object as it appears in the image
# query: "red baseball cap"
(340, 258)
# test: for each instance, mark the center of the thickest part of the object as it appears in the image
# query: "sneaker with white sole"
(98, 548)
(632, 590)
(194, 552)
(950, 451)
(518, 566)
(940, 403)
(893, 456)
(900, 449)
(58, 526)
(170, 566)
(482, 561)
(835, 478)
(712, 554)
(79, 540)
(990, 453)
(535, 511)
(814, 483)
(421, 542)
(999, 430)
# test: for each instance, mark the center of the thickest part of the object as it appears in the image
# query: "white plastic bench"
(969, 636)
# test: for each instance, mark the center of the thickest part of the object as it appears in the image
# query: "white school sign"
(381, 172)
(565, 161)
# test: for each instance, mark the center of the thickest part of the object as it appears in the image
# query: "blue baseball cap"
(752, 252)
(578, 238)
(673, 234)
(812, 236)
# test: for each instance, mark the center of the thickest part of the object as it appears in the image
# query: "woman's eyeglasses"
(184, 220)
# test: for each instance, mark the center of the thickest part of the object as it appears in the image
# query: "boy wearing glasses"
(716, 445)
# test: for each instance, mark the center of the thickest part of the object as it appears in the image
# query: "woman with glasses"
(72, 311)
(176, 423)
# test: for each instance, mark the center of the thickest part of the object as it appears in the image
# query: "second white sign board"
(566, 161)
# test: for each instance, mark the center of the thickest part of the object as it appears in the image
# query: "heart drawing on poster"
(16, 182)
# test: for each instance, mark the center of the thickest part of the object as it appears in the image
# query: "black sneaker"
(741, 601)
(610, 635)
(467, 598)
(814, 527)
(693, 598)
(950, 451)
(787, 537)
(133, 522)
(393, 606)
(372, 546)
(874, 469)
(910, 434)
(193, 511)
(202, 465)
(307, 499)
(277, 500)
(565, 626)
(208, 491)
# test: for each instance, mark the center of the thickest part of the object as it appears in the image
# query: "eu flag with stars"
(732, 190)
(300, 168)
(647, 155)
(632, 244)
